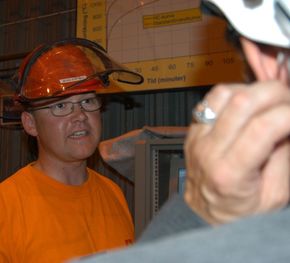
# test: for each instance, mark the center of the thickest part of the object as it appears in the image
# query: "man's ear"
(263, 63)
(28, 122)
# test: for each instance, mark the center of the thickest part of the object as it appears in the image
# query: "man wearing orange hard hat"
(56, 208)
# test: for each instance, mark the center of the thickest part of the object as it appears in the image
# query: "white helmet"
(263, 21)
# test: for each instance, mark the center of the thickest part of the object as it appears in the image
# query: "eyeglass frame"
(80, 103)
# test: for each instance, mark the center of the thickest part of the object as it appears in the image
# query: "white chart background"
(128, 41)
(193, 53)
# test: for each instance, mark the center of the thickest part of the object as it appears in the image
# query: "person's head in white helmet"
(262, 28)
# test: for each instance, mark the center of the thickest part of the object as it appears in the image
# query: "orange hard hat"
(69, 67)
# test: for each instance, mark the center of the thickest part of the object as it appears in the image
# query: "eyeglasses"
(67, 107)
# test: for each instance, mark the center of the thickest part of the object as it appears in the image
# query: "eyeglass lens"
(67, 107)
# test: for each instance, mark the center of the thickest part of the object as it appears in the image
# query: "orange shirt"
(43, 220)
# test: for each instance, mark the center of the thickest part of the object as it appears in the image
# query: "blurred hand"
(240, 165)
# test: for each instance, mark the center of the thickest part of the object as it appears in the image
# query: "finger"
(243, 105)
(270, 192)
(255, 144)
(217, 97)
(275, 187)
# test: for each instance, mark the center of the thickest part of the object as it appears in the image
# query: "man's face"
(69, 138)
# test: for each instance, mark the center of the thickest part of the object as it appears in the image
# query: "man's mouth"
(78, 134)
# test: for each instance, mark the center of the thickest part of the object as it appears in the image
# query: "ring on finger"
(202, 113)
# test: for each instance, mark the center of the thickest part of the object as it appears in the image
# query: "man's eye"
(60, 106)
(89, 101)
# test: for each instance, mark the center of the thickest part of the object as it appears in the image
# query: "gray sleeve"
(263, 238)
(174, 217)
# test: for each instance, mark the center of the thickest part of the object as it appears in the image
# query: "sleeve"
(260, 238)
(174, 217)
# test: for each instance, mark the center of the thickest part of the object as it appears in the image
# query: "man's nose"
(78, 110)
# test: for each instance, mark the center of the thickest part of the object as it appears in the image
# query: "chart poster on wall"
(171, 43)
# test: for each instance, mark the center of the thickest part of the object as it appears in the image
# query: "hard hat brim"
(70, 67)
